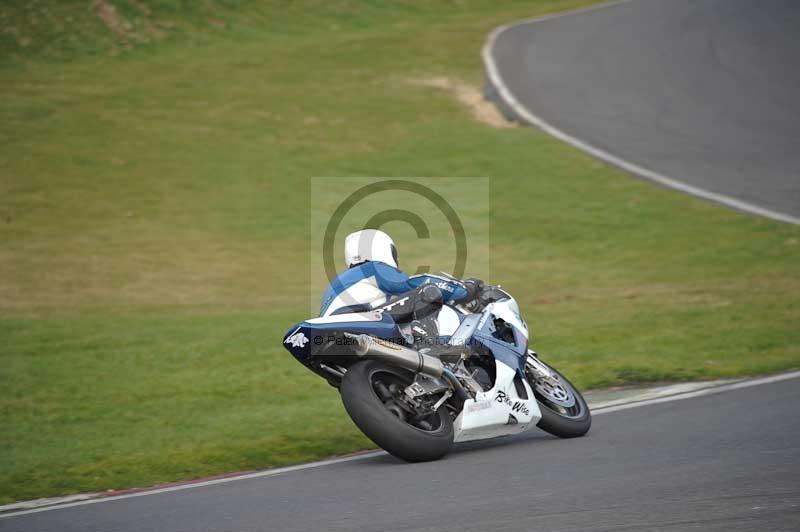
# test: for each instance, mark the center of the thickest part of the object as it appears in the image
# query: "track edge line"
(711, 390)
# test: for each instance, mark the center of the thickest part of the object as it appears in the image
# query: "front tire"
(383, 422)
(564, 410)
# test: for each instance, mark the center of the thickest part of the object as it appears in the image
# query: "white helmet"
(369, 245)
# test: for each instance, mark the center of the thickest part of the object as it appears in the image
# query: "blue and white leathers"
(373, 283)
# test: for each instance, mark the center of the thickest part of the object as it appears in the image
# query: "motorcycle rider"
(373, 280)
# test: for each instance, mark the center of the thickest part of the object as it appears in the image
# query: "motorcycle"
(479, 379)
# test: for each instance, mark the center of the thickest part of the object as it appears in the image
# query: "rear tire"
(393, 434)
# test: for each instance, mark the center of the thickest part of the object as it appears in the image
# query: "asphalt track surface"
(726, 462)
(705, 92)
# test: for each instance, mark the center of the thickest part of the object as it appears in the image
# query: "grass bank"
(154, 214)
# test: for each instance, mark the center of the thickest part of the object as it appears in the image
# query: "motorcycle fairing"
(304, 337)
(500, 411)
(511, 354)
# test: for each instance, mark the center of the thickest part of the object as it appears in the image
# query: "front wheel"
(564, 410)
(372, 395)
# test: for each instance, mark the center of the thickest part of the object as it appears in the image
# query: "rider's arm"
(452, 290)
(391, 280)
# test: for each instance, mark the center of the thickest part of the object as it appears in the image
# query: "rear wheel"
(564, 410)
(372, 395)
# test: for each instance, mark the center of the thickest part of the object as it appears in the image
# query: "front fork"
(538, 370)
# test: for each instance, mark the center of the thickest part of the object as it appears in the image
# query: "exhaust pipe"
(366, 346)
(370, 347)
